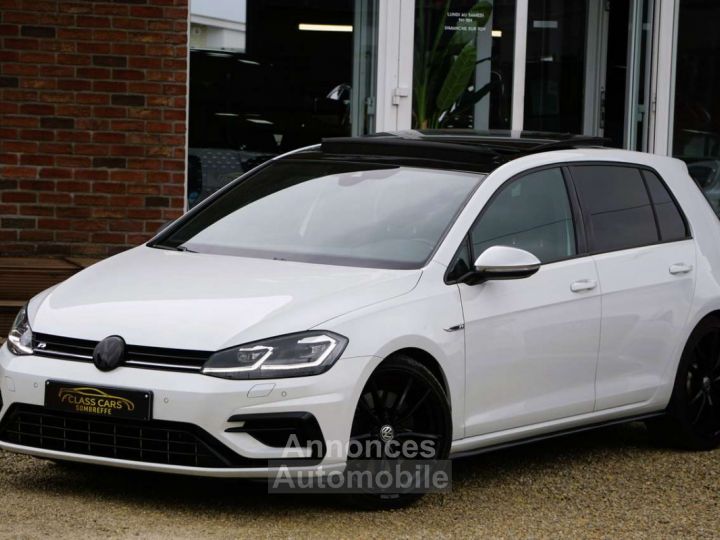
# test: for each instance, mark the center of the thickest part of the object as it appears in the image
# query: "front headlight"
(20, 337)
(292, 355)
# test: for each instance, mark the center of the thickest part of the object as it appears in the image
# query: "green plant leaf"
(457, 78)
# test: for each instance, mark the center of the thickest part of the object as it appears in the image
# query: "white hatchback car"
(469, 290)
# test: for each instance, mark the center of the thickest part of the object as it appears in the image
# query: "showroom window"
(555, 65)
(269, 76)
(696, 132)
(463, 64)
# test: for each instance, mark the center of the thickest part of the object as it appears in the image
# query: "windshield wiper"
(174, 248)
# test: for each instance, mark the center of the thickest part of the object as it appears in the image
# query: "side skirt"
(561, 433)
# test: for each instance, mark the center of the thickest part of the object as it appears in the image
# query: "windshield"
(354, 214)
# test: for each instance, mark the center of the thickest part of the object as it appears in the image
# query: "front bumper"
(205, 402)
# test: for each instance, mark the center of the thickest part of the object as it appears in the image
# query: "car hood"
(184, 300)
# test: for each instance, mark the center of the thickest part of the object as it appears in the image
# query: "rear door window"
(616, 206)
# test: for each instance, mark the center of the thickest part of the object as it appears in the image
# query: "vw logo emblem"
(109, 353)
(387, 433)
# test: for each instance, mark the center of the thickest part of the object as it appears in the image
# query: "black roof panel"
(478, 150)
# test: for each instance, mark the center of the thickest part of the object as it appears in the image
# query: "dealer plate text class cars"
(469, 290)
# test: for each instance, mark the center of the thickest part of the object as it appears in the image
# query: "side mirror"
(503, 262)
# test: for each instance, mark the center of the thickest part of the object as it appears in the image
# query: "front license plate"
(98, 400)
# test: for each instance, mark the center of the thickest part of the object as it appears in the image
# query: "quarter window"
(670, 221)
(616, 206)
(531, 213)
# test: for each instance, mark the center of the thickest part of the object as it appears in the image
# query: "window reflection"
(696, 133)
(269, 76)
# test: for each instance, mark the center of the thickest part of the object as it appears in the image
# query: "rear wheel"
(693, 417)
(401, 402)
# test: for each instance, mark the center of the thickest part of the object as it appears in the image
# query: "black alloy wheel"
(693, 416)
(402, 408)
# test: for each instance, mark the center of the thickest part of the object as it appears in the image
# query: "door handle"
(680, 268)
(583, 285)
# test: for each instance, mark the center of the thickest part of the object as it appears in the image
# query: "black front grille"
(81, 350)
(154, 441)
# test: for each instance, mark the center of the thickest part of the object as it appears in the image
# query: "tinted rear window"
(616, 205)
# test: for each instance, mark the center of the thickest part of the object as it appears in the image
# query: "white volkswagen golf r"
(470, 291)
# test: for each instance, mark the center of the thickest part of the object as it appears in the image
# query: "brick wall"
(92, 123)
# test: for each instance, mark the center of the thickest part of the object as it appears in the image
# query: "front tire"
(401, 401)
(692, 421)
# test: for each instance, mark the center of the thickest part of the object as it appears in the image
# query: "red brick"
(74, 84)
(35, 159)
(53, 224)
(72, 33)
(73, 212)
(109, 238)
(92, 174)
(34, 210)
(21, 121)
(72, 236)
(89, 225)
(55, 148)
(20, 146)
(21, 69)
(128, 23)
(21, 44)
(74, 136)
(73, 161)
(37, 185)
(37, 57)
(92, 99)
(109, 137)
(74, 59)
(93, 47)
(93, 22)
(93, 72)
(35, 236)
(54, 198)
(55, 172)
(36, 108)
(110, 112)
(18, 197)
(129, 49)
(74, 187)
(19, 172)
(48, 84)
(112, 36)
(91, 200)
